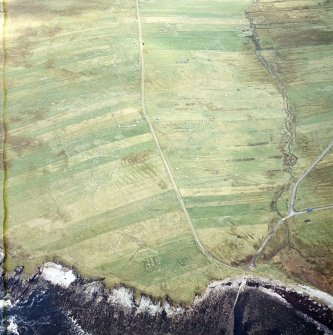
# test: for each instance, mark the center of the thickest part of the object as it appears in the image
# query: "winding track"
(203, 249)
(284, 91)
(291, 210)
(296, 185)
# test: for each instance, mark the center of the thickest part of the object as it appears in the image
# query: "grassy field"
(317, 188)
(2, 174)
(297, 41)
(86, 183)
(219, 118)
(302, 250)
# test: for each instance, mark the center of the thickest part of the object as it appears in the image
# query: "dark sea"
(38, 316)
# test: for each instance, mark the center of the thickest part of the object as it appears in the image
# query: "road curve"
(203, 249)
(291, 210)
(299, 181)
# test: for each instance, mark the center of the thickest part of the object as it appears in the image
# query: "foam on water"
(12, 327)
(147, 305)
(122, 296)
(57, 274)
(326, 298)
(5, 303)
(78, 328)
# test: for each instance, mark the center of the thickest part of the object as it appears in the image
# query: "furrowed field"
(86, 183)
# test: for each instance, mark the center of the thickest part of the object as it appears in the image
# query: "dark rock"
(261, 308)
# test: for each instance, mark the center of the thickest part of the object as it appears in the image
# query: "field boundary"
(203, 248)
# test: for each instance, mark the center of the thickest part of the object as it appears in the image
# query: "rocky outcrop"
(262, 307)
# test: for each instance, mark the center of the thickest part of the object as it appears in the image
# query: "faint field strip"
(191, 192)
(194, 21)
(203, 248)
(76, 110)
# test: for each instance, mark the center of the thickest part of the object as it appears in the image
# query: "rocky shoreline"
(262, 307)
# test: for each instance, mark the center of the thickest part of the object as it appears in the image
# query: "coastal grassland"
(1, 125)
(86, 185)
(296, 40)
(302, 250)
(219, 117)
(317, 189)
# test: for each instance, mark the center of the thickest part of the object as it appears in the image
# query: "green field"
(86, 182)
(317, 188)
(299, 45)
